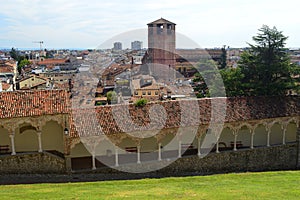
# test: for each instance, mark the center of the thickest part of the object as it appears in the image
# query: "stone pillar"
(159, 151)
(252, 139)
(68, 164)
(199, 146)
(93, 161)
(268, 137)
(283, 135)
(138, 154)
(39, 134)
(298, 148)
(12, 140)
(179, 149)
(116, 157)
(217, 146)
(234, 143)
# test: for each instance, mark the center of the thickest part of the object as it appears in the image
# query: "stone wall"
(260, 159)
(31, 163)
(282, 157)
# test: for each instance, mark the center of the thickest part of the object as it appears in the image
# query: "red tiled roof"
(6, 69)
(119, 118)
(5, 86)
(115, 119)
(52, 61)
(33, 103)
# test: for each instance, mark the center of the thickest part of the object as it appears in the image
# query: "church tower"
(161, 44)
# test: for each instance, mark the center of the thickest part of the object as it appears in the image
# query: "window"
(159, 28)
(136, 93)
(156, 92)
(149, 92)
(169, 29)
(144, 92)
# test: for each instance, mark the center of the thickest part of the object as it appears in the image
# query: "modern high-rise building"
(117, 46)
(136, 45)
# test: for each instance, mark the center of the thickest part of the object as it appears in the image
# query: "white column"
(179, 149)
(159, 151)
(283, 135)
(138, 154)
(252, 139)
(199, 146)
(217, 146)
(234, 144)
(12, 140)
(268, 138)
(93, 161)
(39, 134)
(116, 157)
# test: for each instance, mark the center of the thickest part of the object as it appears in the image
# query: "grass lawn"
(266, 185)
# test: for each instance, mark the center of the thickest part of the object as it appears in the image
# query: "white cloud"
(64, 23)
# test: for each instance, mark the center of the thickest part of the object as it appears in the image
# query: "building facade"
(136, 45)
(117, 46)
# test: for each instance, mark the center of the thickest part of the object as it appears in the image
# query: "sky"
(92, 23)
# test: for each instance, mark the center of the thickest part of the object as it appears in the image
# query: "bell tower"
(161, 44)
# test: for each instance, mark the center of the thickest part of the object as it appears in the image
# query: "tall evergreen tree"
(266, 65)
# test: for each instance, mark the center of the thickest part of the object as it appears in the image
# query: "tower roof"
(161, 21)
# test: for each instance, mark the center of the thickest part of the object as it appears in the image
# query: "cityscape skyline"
(77, 24)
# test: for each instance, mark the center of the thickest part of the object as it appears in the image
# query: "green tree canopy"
(266, 65)
(111, 97)
(22, 64)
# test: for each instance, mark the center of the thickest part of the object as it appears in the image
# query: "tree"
(141, 102)
(208, 82)
(22, 64)
(232, 79)
(266, 65)
(111, 97)
(223, 63)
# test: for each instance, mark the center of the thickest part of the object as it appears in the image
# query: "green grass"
(266, 185)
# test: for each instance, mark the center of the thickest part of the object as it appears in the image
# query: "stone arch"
(26, 139)
(79, 150)
(260, 135)
(4, 138)
(149, 149)
(226, 137)
(291, 132)
(168, 140)
(80, 157)
(53, 136)
(149, 144)
(244, 135)
(127, 143)
(276, 133)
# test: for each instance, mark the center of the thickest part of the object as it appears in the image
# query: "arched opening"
(244, 138)
(52, 137)
(291, 133)
(5, 144)
(105, 153)
(226, 139)
(149, 149)
(80, 157)
(276, 134)
(260, 136)
(26, 139)
(169, 146)
(128, 152)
